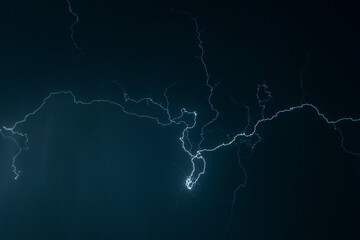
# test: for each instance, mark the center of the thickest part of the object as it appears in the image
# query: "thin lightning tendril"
(241, 185)
(208, 84)
(250, 139)
(191, 180)
(175, 120)
(76, 21)
(263, 89)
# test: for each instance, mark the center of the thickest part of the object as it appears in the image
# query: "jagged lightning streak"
(13, 163)
(267, 96)
(207, 78)
(195, 174)
(262, 102)
(263, 89)
(171, 120)
(244, 137)
(241, 185)
(76, 21)
(275, 116)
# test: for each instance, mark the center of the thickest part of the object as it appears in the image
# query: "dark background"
(93, 172)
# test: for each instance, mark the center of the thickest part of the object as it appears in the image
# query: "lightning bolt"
(263, 89)
(11, 132)
(76, 21)
(249, 135)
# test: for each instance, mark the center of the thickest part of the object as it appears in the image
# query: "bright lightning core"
(196, 156)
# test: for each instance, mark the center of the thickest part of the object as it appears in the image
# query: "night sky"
(95, 172)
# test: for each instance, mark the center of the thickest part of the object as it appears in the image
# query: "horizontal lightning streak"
(176, 120)
(244, 137)
(276, 115)
(195, 173)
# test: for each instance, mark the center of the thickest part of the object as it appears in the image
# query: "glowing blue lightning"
(13, 163)
(207, 74)
(276, 115)
(263, 96)
(76, 45)
(186, 118)
(171, 120)
(263, 89)
(242, 135)
(195, 175)
(241, 185)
